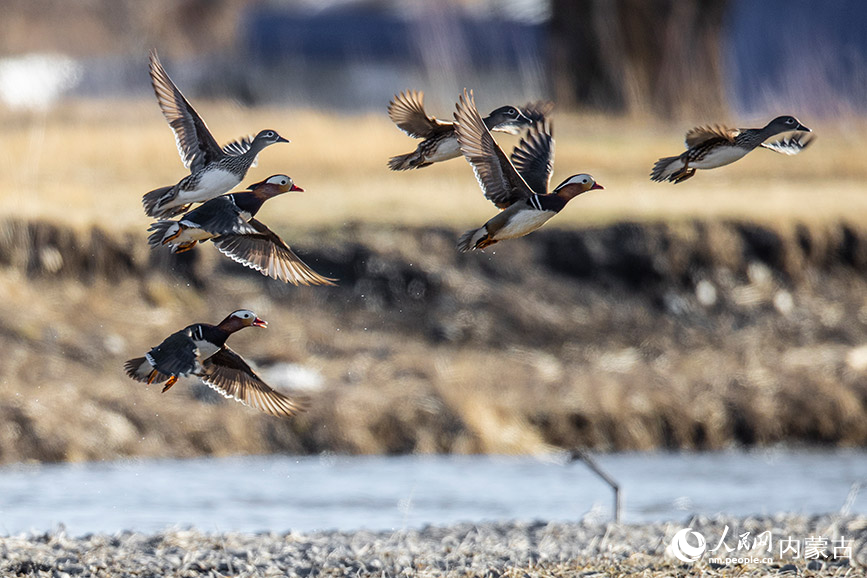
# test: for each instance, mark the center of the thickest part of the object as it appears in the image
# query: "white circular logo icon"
(683, 550)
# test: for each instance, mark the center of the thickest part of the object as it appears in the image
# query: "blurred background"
(724, 313)
(662, 58)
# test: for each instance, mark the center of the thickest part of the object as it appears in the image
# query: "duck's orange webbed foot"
(172, 380)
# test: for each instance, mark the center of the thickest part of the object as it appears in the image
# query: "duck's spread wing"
(791, 145)
(702, 134)
(196, 145)
(533, 158)
(219, 216)
(176, 355)
(229, 374)
(538, 111)
(406, 110)
(266, 252)
(499, 180)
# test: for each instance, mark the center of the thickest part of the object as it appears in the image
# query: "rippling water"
(282, 493)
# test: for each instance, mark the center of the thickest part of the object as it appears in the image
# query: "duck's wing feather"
(219, 216)
(406, 110)
(702, 134)
(791, 145)
(266, 252)
(176, 355)
(229, 374)
(196, 145)
(538, 111)
(499, 180)
(533, 158)
(238, 147)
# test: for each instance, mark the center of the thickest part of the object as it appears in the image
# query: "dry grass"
(90, 163)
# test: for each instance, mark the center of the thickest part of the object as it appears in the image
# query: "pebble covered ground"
(507, 549)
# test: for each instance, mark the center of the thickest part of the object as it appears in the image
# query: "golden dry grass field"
(89, 163)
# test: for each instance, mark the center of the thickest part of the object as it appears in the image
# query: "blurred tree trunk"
(661, 57)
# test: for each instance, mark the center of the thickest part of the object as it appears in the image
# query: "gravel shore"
(513, 549)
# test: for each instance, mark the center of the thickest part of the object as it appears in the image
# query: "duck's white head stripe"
(278, 180)
(581, 179)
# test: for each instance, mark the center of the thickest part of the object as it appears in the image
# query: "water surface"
(282, 493)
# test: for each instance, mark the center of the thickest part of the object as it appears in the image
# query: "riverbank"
(634, 336)
(513, 549)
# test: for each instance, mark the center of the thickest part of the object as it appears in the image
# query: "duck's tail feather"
(471, 239)
(665, 168)
(408, 161)
(161, 231)
(140, 369)
(151, 201)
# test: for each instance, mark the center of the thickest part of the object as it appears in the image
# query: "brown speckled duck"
(438, 143)
(213, 170)
(709, 147)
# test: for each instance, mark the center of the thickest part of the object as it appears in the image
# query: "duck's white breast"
(211, 184)
(522, 223)
(446, 149)
(719, 157)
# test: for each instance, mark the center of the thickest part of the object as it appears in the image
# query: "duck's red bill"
(260, 323)
(296, 188)
(596, 186)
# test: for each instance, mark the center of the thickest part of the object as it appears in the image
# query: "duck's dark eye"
(790, 120)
